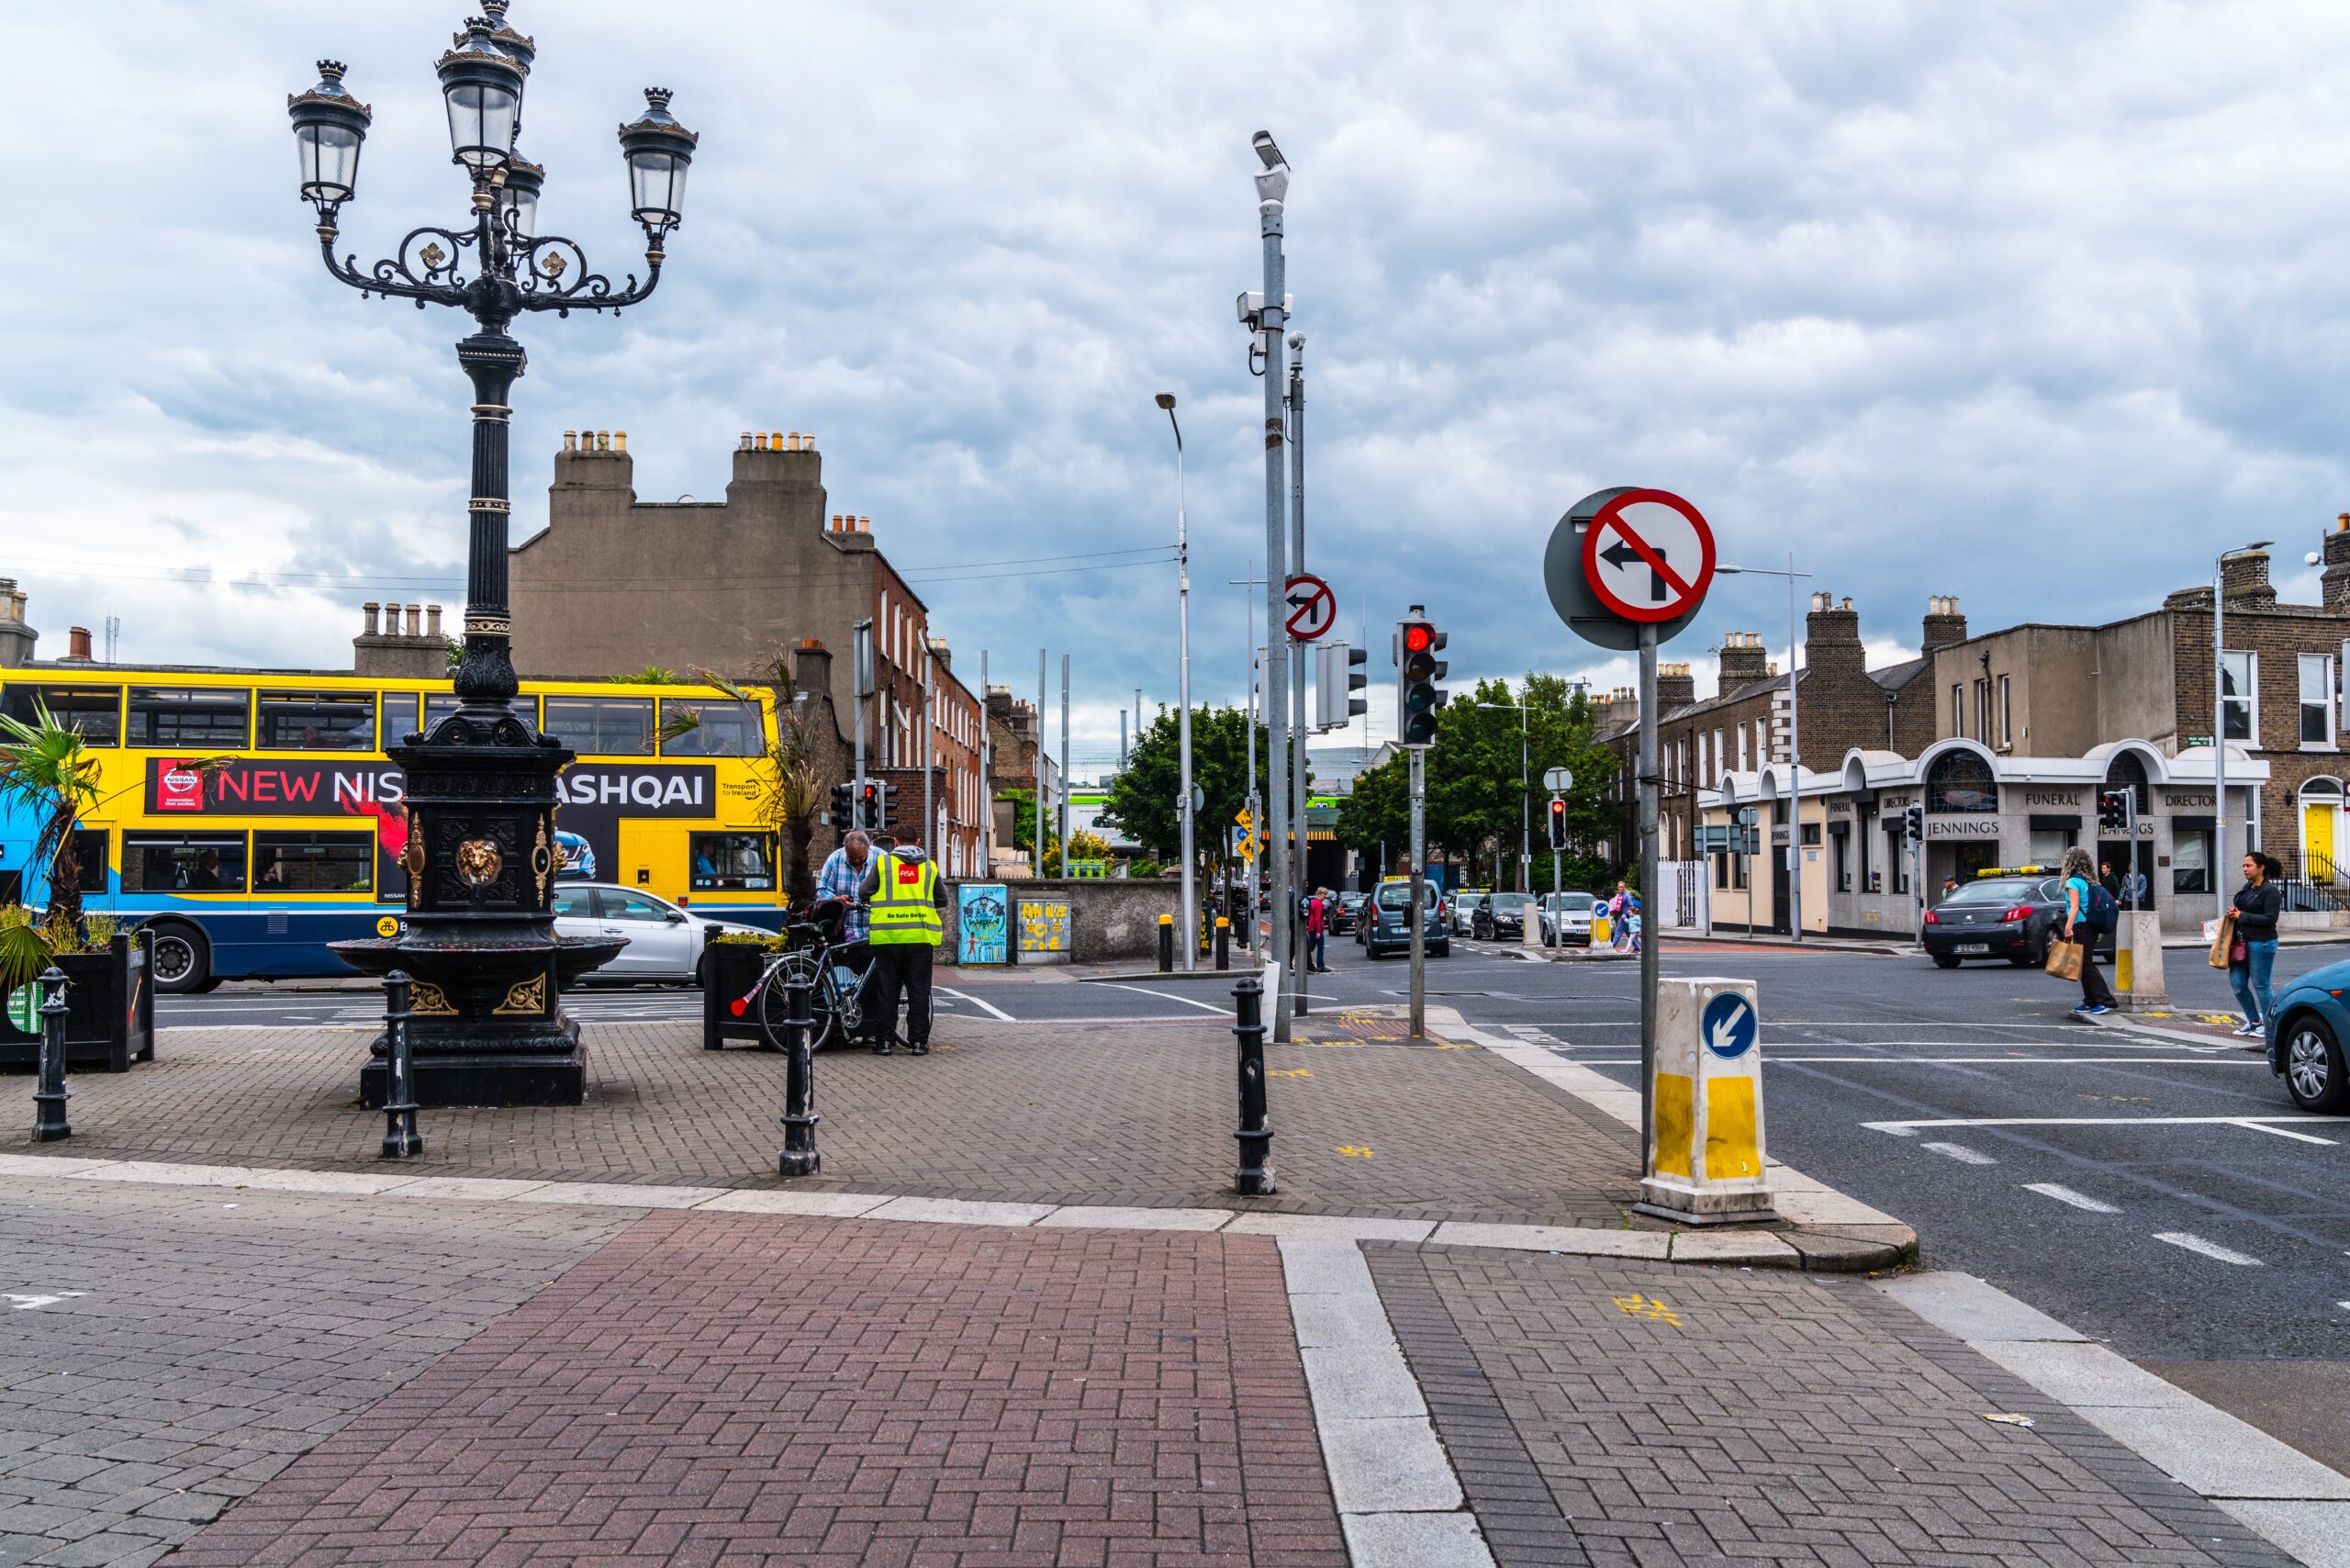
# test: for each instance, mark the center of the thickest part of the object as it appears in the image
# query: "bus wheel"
(183, 961)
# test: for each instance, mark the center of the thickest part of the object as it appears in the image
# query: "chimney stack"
(2335, 578)
(1675, 687)
(16, 639)
(2244, 580)
(1944, 625)
(1742, 662)
(1832, 636)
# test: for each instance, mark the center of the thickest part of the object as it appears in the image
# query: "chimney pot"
(808, 442)
(795, 442)
(619, 441)
(864, 525)
(369, 610)
(571, 441)
(744, 444)
(432, 621)
(2342, 522)
(603, 440)
(760, 442)
(774, 440)
(415, 615)
(77, 643)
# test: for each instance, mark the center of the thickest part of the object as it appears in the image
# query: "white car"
(1462, 914)
(664, 941)
(1566, 919)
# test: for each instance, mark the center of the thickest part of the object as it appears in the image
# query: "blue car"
(2312, 1021)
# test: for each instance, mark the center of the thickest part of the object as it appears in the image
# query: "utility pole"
(987, 778)
(1265, 354)
(929, 815)
(864, 674)
(1795, 766)
(1066, 779)
(1419, 892)
(1184, 809)
(1040, 763)
(1303, 880)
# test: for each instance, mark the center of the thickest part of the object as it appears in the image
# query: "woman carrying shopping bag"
(2080, 875)
(2252, 956)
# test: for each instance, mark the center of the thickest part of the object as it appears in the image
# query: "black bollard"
(1256, 1176)
(799, 1157)
(400, 1139)
(1223, 943)
(1166, 944)
(49, 1092)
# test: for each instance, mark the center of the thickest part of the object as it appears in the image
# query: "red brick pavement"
(719, 1390)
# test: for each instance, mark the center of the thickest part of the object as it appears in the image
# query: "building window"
(96, 710)
(317, 721)
(2007, 713)
(2190, 861)
(1843, 863)
(1958, 710)
(1960, 782)
(315, 862)
(1896, 854)
(190, 720)
(182, 863)
(729, 862)
(1983, 710)
(709, 729)
(602, 726)
(2238, 714)
(1741, 750)
(2317, 700)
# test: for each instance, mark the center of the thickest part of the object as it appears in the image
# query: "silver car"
(664, 941)
(1566, 919)
(1463, 911)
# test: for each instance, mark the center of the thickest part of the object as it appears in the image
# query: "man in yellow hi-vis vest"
(904, 893)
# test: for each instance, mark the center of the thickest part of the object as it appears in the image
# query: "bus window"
(719, 729)
(602, 726)
(96, 710)
(174, 719)
(438, 705)
(182, 863)
(90, 857)
(317, 721)
(315, 862)
(732, 861)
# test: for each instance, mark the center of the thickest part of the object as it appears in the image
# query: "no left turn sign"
(1649, 556)
(1312, 607)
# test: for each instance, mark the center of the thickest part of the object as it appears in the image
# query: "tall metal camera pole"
(1183, 687)
(1039, 869)
(1265, 356)
(1063, 813)
(986, 778)
(1302, 879)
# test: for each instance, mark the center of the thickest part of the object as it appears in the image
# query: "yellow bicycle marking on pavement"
(1357, 1150)
(1649, 1307)
(1449, 1045)
(1288, 1073)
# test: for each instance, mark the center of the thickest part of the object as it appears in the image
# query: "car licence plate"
(1965, 947)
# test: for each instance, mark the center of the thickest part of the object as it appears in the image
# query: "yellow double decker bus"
(289, 836)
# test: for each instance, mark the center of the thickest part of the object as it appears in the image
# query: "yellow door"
(2317, 841)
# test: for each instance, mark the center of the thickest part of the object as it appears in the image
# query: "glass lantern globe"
(658, 150)
(518, 200)
(329, 127)
(483, 85)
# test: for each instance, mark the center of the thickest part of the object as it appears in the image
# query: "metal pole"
(1183, 698)
(1254, 1177)
(1256, 823)
(2219, 745)
(929, 815)
(1302, 879)
(1040, 763)
(1065, 775)
(987, 778)
(1419, 893)
(400, 1139)
(1276, 572)
(50, 1094)
(1794, 763)
(799, 1157)
(1525, 811)
(1648, 897)
(862, 678)
(1121, 740)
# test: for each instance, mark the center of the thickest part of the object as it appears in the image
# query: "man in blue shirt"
(842, 877)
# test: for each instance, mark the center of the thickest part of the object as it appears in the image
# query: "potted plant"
(732, 964)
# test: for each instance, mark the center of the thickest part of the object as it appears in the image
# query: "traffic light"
(1557, 822)
(869, 806)
(842, 807)
(888, 816)
(1418, 696)
(1913, 823)
(2113, 810)
(1335, 683)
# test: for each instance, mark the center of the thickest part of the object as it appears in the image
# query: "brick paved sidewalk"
(723, 1391)
(1137, 1116)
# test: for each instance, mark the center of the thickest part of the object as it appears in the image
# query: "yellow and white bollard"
(1705, 1159)
(1601, 931)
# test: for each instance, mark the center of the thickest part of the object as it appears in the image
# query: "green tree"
(1023, 827)
(1142, 798)
(46, 768)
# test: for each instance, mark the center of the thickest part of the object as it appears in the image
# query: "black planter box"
(730, 970)
(110, 1010)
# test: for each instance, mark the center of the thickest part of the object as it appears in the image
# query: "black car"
(1383, 927)
(1499, 915)
(2012, 917)
(1348, 913)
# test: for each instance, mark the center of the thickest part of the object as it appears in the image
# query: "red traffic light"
(1418, 638)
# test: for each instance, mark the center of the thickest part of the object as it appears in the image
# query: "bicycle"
(837, 991)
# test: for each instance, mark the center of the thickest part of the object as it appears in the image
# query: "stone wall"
(1109, 921)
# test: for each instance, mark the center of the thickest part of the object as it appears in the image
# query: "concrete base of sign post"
(1706, 1158)
(2138, 962)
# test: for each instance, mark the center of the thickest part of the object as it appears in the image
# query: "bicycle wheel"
(775, 1000)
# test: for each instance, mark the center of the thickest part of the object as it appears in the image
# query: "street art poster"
(982, 932)
(1044, 926)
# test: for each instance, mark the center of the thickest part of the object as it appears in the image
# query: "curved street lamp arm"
(398, 276)
(540, 264)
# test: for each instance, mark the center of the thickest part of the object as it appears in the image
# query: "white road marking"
(1961, 1153)
(2066, 1196)
(989, 1008)
(1971, 1061)
(1170, 996)
(34, 1303)
(2194, 1243)
(2254, 1124)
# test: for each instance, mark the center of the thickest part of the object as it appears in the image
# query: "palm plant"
(47, 769)
(791, 782)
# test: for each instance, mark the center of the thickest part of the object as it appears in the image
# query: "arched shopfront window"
(2128, 770)
(1960, 781)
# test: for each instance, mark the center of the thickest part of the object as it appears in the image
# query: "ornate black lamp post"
(481, 857)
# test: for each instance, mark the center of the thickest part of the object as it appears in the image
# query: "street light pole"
(1264, 355)
(481, 854)
(1302, 879)
(1795, 749)
(2220, 729)
(1190, 915)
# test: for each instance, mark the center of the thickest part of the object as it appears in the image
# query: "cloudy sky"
(2036, 305)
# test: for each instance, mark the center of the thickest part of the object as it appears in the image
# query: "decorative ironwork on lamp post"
(480, 787)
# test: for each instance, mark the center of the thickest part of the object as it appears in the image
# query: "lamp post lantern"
(480, 852)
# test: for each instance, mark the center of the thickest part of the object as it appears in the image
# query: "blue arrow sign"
(1727, 1025)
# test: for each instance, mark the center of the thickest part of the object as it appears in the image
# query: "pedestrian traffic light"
(1557, 822)
(1335, 683)
(1913, 823)
(2113, 810)
(1417, 697)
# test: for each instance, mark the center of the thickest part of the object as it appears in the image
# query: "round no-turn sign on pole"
(1649, 556)
(1312, 607)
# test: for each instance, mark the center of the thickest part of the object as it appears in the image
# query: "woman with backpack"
(2252, 956)
(2081, 906)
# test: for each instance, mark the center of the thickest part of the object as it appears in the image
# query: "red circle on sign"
(1320, 604)
(1612, 539)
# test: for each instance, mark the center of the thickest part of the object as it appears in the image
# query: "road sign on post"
(1705, 1155)
(1627, 568)
(1312, 607)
